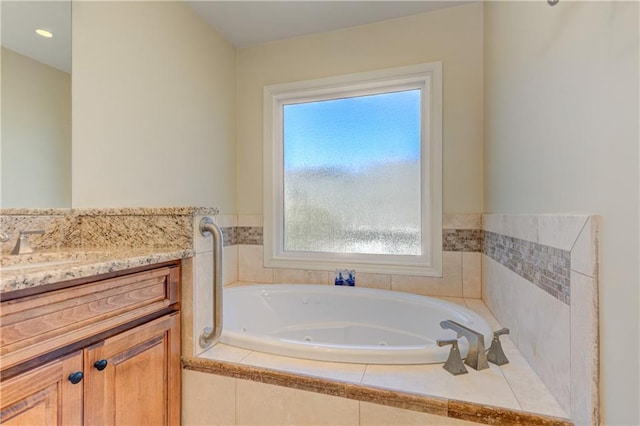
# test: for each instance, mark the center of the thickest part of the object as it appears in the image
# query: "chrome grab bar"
(212, 334)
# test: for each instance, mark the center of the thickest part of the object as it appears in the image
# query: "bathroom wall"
(153, 107)
(452, 35)
(561, 135)
(36, 133)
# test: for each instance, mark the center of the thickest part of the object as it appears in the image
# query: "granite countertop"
(19, 272)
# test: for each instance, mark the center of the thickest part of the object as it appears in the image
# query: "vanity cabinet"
(44, 395)
(105, 352)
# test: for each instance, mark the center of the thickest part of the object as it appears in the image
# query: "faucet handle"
(454, 364)
(501, 332)
(495, 354)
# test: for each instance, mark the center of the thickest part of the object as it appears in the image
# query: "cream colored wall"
(453, 36)
(153, 107)
(36, 133)
(561, 135)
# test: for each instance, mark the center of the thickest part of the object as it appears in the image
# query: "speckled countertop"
(46, 267)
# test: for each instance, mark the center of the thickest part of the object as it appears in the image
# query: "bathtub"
(343, 324)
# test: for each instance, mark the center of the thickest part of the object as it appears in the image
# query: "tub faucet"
(22, 245)
(476, 356)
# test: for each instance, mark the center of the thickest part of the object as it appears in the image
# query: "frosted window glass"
(352, 175)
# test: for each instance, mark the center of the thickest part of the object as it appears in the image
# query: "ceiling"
(20, 20)
(245, 23)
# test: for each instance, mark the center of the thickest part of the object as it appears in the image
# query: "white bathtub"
(343, 324)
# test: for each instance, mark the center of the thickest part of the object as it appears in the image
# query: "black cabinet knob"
(76, 377)
(101, 364)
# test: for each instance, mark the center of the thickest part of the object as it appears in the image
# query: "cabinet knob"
(101, 364)
(76, 377)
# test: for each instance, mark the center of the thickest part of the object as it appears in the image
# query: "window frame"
(428, 78)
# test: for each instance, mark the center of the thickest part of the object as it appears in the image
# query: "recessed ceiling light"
(44, 33)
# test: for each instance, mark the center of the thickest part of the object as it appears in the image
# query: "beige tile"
(478, 306)
(584, 254)
(544, 338)
(500, 294)
(288, 276)
(250, 265)
(300, 276)
(584, 348)
(379, 281)
(472, 275)
(493, 223)
(560, 231)
(462, 221)
(222, 352)
(318, 277)
(524, 227)
(207, 399)
(449, 285)
(457, 300)
(330, 370)
(485, 387)
(374, 414)
(226, 220)
(249, 220)
(229, 265)
(264, 404)
(526, 384)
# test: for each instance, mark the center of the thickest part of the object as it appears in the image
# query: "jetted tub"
(343, 324)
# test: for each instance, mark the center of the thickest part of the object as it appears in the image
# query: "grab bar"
(212, 334)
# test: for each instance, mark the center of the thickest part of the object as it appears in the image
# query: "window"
(352, 172)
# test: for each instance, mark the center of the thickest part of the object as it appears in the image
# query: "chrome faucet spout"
(23, 245)
(476, 356)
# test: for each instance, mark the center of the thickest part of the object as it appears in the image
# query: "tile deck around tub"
(513, 386)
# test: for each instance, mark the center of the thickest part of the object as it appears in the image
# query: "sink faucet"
(22, 245)
(476, 356)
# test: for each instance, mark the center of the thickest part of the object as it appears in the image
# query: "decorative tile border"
(246, 235)
(546, 267)
(465, 240)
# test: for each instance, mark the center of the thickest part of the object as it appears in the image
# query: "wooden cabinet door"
(140, 383)
(44, 395)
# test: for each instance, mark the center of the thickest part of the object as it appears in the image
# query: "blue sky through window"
(352, 133)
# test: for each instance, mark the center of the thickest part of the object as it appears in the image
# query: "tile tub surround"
(540, 279)
(509, 394)
(462, 244)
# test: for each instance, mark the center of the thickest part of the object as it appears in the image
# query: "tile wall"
(461, 262)
(537, 273)
(540, 279)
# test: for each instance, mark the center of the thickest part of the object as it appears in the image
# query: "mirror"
(36, 105)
